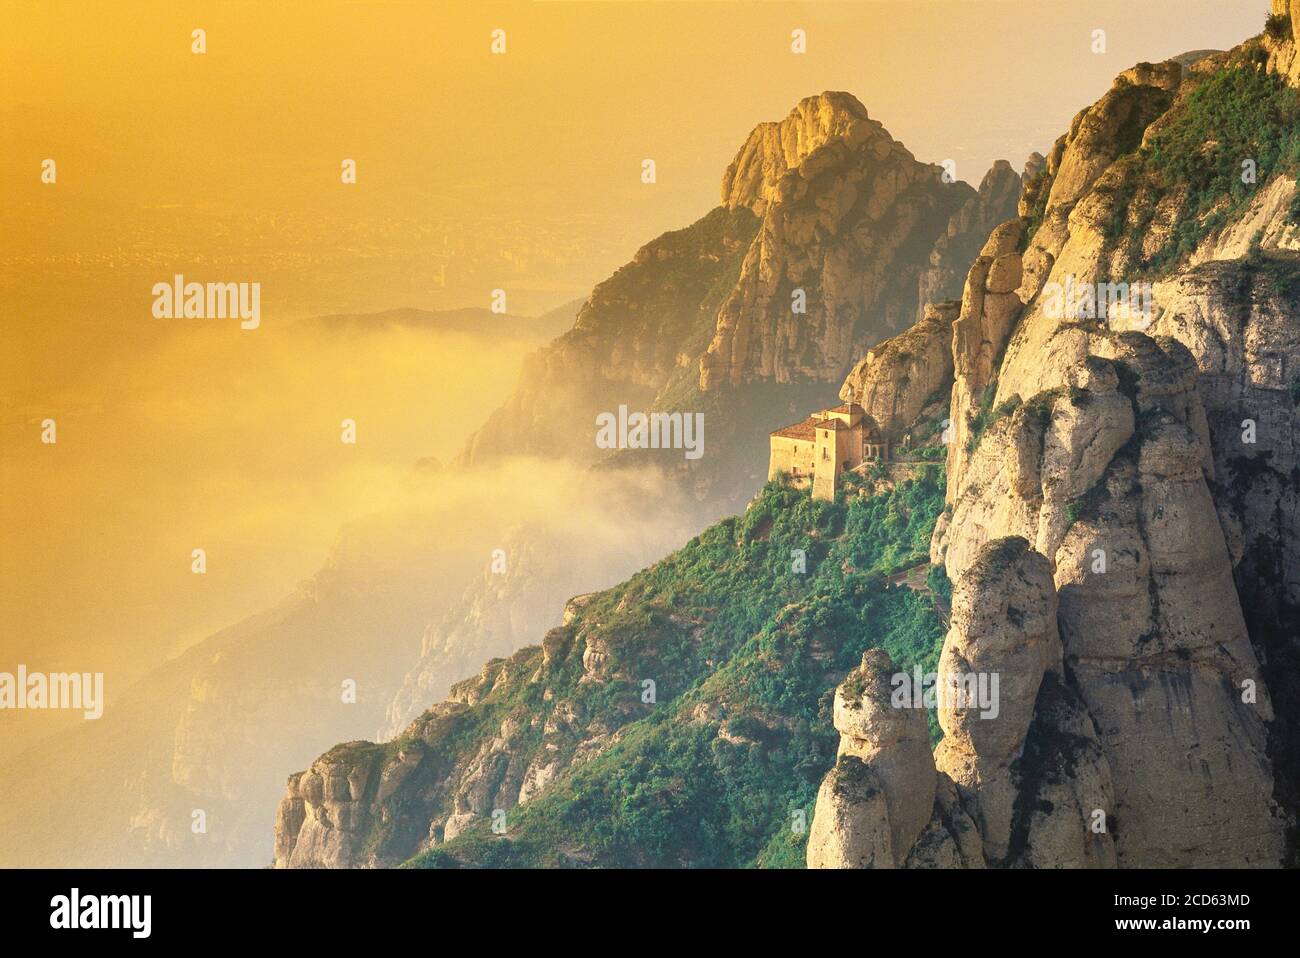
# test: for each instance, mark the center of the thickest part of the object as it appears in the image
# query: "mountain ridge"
(806, 200)
(1121, 548)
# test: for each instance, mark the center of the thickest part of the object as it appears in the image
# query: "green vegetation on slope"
(1233, 115)
(745, 650)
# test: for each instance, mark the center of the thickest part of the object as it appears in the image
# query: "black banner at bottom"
(140, 906)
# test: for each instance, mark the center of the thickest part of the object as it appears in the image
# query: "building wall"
(829, 451)
(790, 456)
(852, 451)
(821, 460)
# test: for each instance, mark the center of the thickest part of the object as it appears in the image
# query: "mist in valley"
(328, 566)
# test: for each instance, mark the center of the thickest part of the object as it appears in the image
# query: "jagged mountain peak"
(829, 238)
(846, 210)
(774, 148)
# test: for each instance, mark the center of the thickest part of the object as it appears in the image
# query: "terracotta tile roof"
(848, 407)
(830, 424)
(800, 430)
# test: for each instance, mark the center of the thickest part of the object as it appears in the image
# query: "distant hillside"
(742, 645)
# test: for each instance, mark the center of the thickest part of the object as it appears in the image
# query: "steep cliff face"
(1121, 494)
(639, 332)
(999, 193)
(849, 218)
(906, 374)
(1282, 39)
(1238, 320)
(1105, 480)
(828, 230)
(990, 306)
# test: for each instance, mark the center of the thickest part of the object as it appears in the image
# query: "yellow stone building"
(826, 444)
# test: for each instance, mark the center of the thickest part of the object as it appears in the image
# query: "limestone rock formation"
(1004, 625)
(895, 742)
(827, 236)
(1019, 772)
(772, 150)
(844, 209)
(951, 838)
(850, 827)
(954, 251)
(1237, 320)
(905, 374)
(989, 307)
(1064, 788)
(630, 342)
(1282, 40)
(365, 805)
(323, 809)
(1146, 462)
(1169, 523)
(884, 805)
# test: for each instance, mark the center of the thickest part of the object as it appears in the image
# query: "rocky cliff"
(827, 235)
(849, 220)
(1121, 502)
(1112, 681)
(907, 374)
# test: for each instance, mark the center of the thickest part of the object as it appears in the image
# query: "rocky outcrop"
(774, 149)
(458, 764)
(1237, 320)
(1265, 226)
(884, 798)
(954, 251)
(990, 306)
(1108, 477)
(895, 742)
(1123, 452)
(905, 374)
(828, 235)
(845, 209)
(1019, 771)
(1003, 625)
(1089, 749)
(1282, 39)
(850, 826)
(316, 825)
(1125, 447)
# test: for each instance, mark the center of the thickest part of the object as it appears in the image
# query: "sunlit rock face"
(849, 222)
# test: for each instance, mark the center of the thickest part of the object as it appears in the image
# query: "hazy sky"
(475, 171)
(478, 171)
